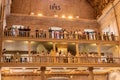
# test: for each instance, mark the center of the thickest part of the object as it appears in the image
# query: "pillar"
(1, 26)
(77, 53)
(98, 49)
(0, 41)
(54, 47)
(77, 49)
(29, 49)
(43, 73)
(54, 51)
(91, 75)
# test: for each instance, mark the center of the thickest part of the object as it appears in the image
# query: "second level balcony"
(58, 36)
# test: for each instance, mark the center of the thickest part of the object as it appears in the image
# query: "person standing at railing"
(20, 31)
(57, 34)
(107, 36)
(6, 31)
(53, 33)
(87, 35)
(79, 34)
(61, 34)
(103, 58)
(65, 34)
(37, 33)
(50, 32)
(112, 36)
(16, 32)
(24, 31)
(44, 34)
(13, 31)
(70, 35)
(99, 36)
(109, 59)
(76, 34)
(104, 36)
(84, 36)
(3, 55)
(17, 57)
(28, 31)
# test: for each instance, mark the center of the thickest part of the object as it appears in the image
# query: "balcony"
(59, 37)
(59, 61)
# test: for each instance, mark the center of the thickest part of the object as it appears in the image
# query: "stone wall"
(79, 8)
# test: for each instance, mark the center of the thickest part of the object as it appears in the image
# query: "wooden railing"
(33, 34)
(60, 59)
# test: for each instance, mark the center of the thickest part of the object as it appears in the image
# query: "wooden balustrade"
(33, 34)
(60, 59)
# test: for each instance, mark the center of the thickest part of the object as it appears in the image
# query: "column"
(43, 73)
(98, 49)
(47, 34)
(54, 52)
(77, 53)
(29, 50)
(54, 47)
(98, 59)
(77, 49)
(91, 75)
(1, 25)
(0, 41)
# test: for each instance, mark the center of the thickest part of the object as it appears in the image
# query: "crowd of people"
(58, 34)
(14, 31)
(82, 35)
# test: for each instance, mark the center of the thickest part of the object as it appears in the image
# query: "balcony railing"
(45, 34)
(60, 59)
